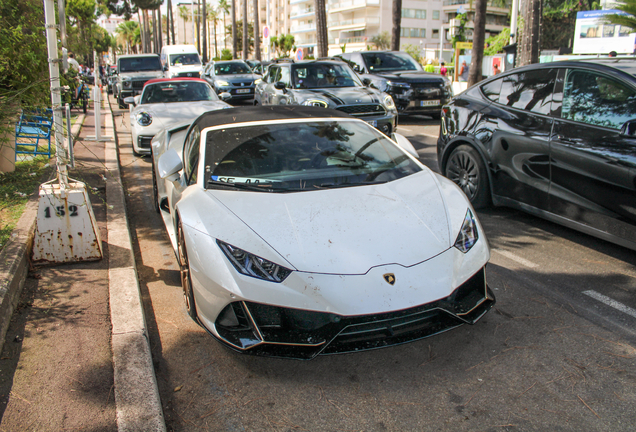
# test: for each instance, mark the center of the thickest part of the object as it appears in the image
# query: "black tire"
(466, 169)
(155, 189)
(184, 268)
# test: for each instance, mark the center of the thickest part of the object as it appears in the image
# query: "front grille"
(144, 142)
(138, 85)
(242, 84)
(363, 110)
(283, 332)
(188, 75)
(428, 85)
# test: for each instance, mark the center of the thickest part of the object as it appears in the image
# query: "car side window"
(597, 99)
(492, 89)
(191, 155)
(530, 90)
(285, 76)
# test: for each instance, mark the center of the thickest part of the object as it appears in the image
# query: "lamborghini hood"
(349, 230)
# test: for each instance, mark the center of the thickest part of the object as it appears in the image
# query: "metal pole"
(69, 139)
(56, 93)
(441, 44)
(513, 21)
(269, 44)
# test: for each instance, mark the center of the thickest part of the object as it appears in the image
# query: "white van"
(181, 61)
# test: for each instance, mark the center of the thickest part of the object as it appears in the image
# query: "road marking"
(611, 302)
(429, 135)
(516, 258)
(403, 128)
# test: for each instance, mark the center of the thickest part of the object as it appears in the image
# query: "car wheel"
(184, 267)
(155, 188)
(465, 168)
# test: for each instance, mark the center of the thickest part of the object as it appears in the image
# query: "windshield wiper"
(260, 187)
(342, 185)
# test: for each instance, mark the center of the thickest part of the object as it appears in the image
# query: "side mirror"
(165, 68)
(129, 100)
(357, 68)
(225, 96)
(405, 144)
(629, 128)
(279, 85)
(169, 164)
(366, 82)
(137, 99)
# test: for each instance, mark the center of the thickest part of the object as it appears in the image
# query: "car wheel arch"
(464, 140)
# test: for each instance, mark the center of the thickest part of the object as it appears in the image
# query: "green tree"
(24, 74)
(226, 54)
(629, 20)
(382, 41)
(126, 33)
(184, 14)
(414, 51)
(239, 36)
(283, 45)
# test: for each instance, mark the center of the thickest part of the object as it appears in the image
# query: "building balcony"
(492, 8)
(354, 24)
(303, 28)
(350, 5)
(293, 2)
(300, 15)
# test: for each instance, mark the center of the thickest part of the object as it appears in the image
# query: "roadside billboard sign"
(592, 36)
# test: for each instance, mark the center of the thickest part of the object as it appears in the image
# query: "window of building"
(414, 13)
(435, 14)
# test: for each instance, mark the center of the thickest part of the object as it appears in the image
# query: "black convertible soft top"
(245, 114)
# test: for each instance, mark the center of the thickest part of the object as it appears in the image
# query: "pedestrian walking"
(443, 69)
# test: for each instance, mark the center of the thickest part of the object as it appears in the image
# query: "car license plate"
(373, 123)
(429, 102)
(243, 91)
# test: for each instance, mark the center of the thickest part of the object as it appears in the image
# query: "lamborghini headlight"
(468, 235)
(316, 102)
(251, 265)
(144, 118)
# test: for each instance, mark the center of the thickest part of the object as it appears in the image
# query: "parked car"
(361, 245)
(111, 77)
(557, 140)
(166, 101)
(400, 75)
(327, 84)
(132, 73)
(231, 76)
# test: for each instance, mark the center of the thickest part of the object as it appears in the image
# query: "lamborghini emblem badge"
(389, 278)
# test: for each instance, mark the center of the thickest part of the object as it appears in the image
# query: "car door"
(520, 124)
(190, 160)
(593, 164)
(281, 96)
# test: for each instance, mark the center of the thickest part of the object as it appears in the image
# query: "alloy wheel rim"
(463, 171)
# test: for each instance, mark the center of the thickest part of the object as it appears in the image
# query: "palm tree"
(245, 32)
(205, 33)
(184, 14)
(126, 32)
(234, 41)
(321, 28)
(213, 18)
(479, 37)
(629, 20)
(170, 26)
(397, 25)
(225, 8)
(257, 34)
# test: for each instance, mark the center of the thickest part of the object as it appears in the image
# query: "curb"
(15, 256)
(136, 392)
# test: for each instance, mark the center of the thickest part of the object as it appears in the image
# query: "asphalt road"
(547, 357)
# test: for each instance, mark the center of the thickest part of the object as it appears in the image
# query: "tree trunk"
(234, 41)
(257, 33)
(170, 24)
(397, 25)
(216, 46)
(479, 39)
(198, 22)
(142, 32)
(245, 33)
(528, 48)
(224, 32)
(205, 33)
(322, 39)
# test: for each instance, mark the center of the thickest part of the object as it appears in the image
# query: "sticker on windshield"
(246, 180)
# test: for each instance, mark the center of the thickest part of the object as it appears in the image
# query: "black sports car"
(555, 139)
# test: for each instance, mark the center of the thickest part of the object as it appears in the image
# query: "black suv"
(328, 84)
(557, 140)
(400, 75)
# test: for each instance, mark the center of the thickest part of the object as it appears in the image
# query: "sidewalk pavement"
(76, 353)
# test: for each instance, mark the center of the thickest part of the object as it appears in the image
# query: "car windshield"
(317, 75)
(180, 91)
(302, 156)
(137, 64)
(234, 68)
(185, 59)
(390, 61)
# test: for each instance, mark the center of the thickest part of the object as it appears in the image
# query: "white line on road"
(611, 302)
(403, 128)
(516, 258)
